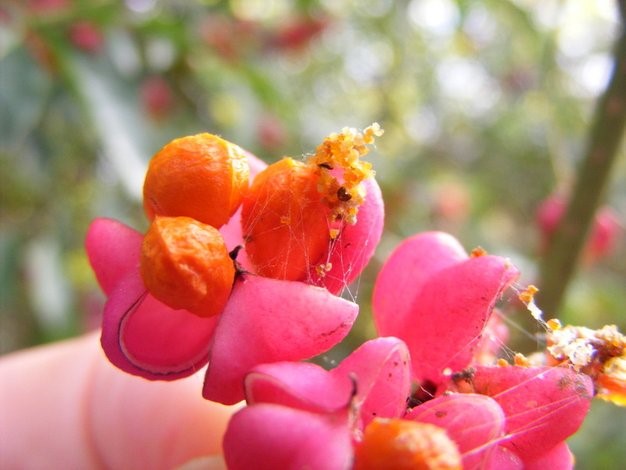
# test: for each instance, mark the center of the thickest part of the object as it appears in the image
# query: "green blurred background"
(486, 106)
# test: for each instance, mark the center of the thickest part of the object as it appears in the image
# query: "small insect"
(466, 375)
(343, 195)
(328, 166)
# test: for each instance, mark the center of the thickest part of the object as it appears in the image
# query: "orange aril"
(200, 176)
(285, 220)
(185, 264)
(400, 444)
(294, 210)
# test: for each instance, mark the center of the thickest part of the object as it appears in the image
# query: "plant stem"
(559, 264)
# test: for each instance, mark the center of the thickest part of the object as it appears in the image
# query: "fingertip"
(41, 405)
(66, 406)
(137, 423)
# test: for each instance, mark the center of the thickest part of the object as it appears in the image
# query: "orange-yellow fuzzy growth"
(406, 445)
(200, 176)
(285, 220)
(600, 354)
(185, 264)
(342, 171)
(294, 210)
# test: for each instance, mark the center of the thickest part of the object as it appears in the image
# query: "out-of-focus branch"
(560, 261)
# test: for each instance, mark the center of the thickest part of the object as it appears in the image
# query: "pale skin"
(65, 406)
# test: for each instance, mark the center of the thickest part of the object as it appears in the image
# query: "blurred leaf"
(114, 113)
(23, 94)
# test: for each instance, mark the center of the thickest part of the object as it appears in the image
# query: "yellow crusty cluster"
(581, 345)
(600, 353)
(341, 170)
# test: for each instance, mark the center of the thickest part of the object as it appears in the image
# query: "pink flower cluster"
(265, 320)
(431, 305)
(433, 363)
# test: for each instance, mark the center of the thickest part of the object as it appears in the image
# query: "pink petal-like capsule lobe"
(299, 385)
(375, 378)
(543, 405)
(381, 369)
(354, 247)
(270, 320)
(269, 436)
(403, 275)
(142, 336)
(113, 250)
(560, 457)
(474, 422)
(442, 314)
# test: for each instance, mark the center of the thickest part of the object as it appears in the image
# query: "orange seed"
(295, 210)
(285, 220)
(185, 264)
(400, 444)
(200, 176)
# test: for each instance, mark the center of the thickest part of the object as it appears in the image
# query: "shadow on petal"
(299, 385)
(451, 312)
(142, 336)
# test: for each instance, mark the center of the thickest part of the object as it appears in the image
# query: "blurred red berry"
(229, 38)
(156, 97)
(47, 6)
(87, 36)
(298, 33)
(451, 202)
(604, 233)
